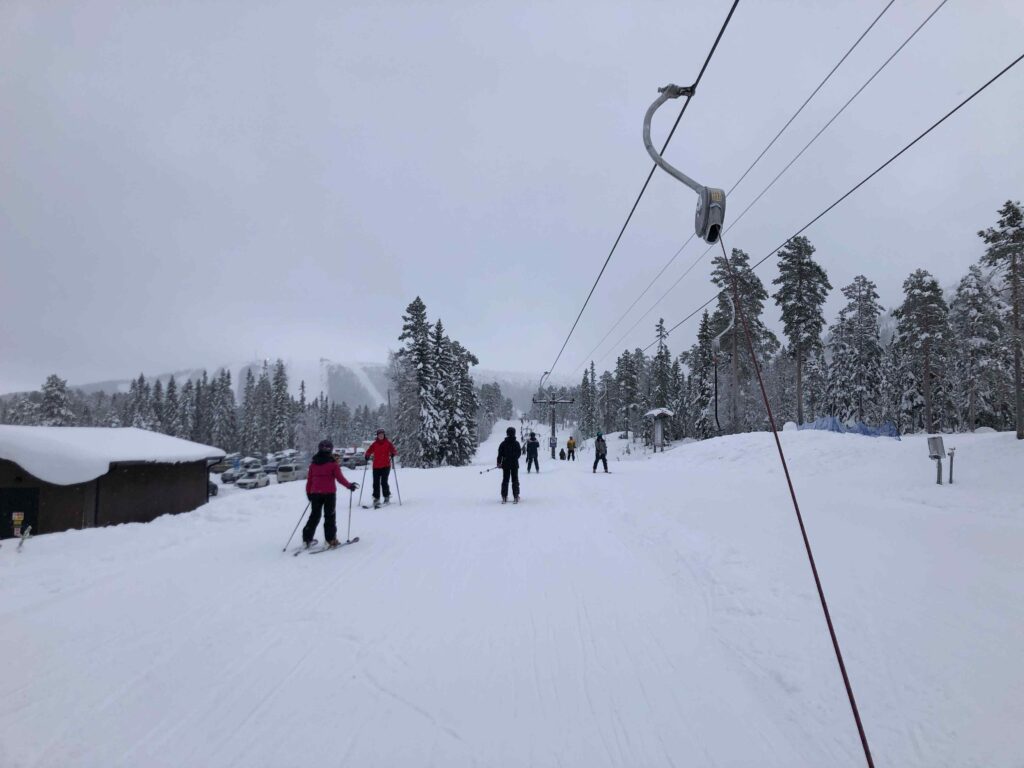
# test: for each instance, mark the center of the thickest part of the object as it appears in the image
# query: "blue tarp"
(834, 424)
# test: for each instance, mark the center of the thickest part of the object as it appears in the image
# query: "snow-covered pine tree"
(702, 383)
(264, 411)
(803, 288)
(922, 332)
(462, 436)
(225, 420)
(816, 390)
(25, 412)
(585, 426)
(413, 374)
(741, 281)
(856, 368)
(661, 370)
(1006, 253)
(282, 432)
(445, 394)
(247, 429)
(158, 407)
(55, 407)
(978, 365)
(143, 414)
(172, 409)
(202, 429)
(678, 400)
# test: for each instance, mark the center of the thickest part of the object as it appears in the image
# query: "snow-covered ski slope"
(661, 615)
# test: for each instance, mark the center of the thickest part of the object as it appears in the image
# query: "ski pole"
(362, 484)
(296, 528)
(348, 536)
(485, 471)
(397, 489)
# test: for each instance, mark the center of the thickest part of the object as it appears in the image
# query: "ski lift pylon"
(710, 215)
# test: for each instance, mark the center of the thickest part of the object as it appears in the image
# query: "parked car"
(211, 488)
(253, 479)
(231, 475)
(271, 466)
(225, 464)
(289, 471)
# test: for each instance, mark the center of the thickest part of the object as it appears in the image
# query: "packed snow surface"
(660, 615)
(69, 455)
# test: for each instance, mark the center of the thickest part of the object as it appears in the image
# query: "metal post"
(938, 471)
(952, 451)
(553, 436)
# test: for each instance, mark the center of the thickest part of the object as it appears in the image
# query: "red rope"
(796, 507)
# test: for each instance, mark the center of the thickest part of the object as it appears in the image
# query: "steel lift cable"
(643, 189)
(768, 146)
(861, 183)
(780, 174)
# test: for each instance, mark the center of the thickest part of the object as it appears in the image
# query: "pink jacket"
(321, 478)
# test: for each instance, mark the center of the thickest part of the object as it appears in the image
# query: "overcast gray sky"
(194, 183)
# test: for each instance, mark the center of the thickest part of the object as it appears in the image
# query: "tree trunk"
(799, 388)
(926, 387)
(734, 409)
(1015, 280)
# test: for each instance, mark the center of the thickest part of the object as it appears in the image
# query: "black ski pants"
(513, 474)
(531, 460)
(572, 454)
(380, 481)
(321, 503)
(603, 459)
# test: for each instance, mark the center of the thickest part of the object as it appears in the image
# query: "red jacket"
(321, 477)
(382, 451)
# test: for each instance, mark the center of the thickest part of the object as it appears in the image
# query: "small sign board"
(552, 441)
(17, 518)
(935, 448)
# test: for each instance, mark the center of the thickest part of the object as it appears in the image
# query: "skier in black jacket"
(532, 446)
(508, 459)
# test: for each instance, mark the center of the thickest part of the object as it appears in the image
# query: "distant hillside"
(357, 384)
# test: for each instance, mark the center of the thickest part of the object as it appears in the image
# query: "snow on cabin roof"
(69, 455)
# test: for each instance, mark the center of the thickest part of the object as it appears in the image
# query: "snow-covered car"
(228, 462)
(271, 466)
(211, 488)
(291, 471)
(253, 479)
(231, 475)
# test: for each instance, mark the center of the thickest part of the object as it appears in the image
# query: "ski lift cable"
(779, 175)
(858, 185)
(643, 189)
(764, 151)
(738, 310)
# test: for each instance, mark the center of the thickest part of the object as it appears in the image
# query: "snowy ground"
(661, 615)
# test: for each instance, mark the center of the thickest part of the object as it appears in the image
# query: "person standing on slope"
(382, 452)
(532, 447)
(571, 447)
(320, 490)
(601, 452)
(508, 459)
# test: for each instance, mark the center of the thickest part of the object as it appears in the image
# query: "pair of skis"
(311, 550)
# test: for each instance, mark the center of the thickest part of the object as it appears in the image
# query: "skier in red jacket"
(320, 490)
(382, 451)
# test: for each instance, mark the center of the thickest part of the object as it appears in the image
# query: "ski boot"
(504, 499)
(387, 500)
(332, 544)
(515, 500)
(376, 503)
(310, 544)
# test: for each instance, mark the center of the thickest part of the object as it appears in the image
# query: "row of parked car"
(250, 472)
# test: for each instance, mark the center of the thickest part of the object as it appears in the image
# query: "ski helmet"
(381, 432)
(511, 431)
(533, 434)
(598, 434)
(326, 445)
